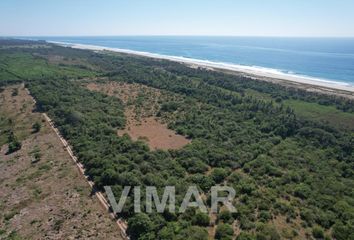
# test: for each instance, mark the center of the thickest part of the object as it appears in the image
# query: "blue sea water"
(323, 58)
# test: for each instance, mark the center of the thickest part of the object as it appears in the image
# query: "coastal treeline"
(291, 174)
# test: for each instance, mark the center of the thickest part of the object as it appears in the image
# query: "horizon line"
(171, 35)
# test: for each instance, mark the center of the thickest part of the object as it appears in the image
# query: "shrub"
(317, 232)
(266, 232)
(224, 231)
(14, 146)
(138, 225)
(201, 219)
(219, 174)
(342, 232)
(245, 236)
(192, 233)
(225, 216)
(36, 127)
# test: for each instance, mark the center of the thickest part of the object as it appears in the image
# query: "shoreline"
(270, 75)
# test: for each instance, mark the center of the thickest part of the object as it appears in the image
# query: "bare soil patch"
(45, 198)
(156, 134)
(142, 104)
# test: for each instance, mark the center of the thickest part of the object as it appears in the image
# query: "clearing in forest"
(142, 104)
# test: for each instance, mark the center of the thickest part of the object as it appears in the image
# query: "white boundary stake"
(122, 225)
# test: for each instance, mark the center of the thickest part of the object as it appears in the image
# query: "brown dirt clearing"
(141, 104)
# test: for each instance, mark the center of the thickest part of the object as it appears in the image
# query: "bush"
(264, 216)
(225, 216)
(192, 233)
(266, 232)
(245, 236)
(194, 165)
(302, 191)
(36, 127)
(204, 182)
(138, 225)
(224, 231)
(201, 219)
(246, 224)
(317, 232)
(14, 144)
(36, 154)
(219, 174)
(343, 232)
(169, 107)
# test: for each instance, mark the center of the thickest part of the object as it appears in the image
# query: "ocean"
(329, 59)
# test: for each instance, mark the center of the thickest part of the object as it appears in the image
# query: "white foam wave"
(253, 70)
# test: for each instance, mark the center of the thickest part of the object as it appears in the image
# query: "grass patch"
(5, 125)
(33, 175)
(14, 236)
(326, 114)
(58, 224)
(8, 216)
(45, 167)
(36, 155)
(80, 190)
(37, 192)
(21, 65)
(258, 95)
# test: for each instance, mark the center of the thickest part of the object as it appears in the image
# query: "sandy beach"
(271, 75)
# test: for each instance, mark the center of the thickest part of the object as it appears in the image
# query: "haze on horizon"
(302, 18)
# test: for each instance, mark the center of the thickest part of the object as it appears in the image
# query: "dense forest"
(245, 133)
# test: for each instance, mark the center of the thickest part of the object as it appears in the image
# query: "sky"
(299, 18)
